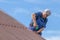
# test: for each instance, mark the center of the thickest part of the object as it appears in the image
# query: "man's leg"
(40, 33)
(32, 28)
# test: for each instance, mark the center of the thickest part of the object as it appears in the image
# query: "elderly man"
(39, 21)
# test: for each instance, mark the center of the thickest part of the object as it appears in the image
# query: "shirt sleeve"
(38, 14)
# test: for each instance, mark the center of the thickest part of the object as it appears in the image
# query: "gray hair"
(48, 12)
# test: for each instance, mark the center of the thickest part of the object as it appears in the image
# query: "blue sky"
(22, 10)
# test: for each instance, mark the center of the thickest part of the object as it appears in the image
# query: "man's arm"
(40, 30)
(34, 20)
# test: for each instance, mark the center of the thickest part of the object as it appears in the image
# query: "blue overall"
(41, 22)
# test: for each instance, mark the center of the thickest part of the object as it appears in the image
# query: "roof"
(10, 29)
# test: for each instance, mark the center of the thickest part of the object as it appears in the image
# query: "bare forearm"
(40, 30)
(34, 18)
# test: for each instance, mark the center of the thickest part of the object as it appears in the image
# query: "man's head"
(46, 13)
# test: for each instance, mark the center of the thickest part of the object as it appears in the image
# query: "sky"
(21, 10)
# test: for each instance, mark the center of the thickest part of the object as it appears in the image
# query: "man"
(39, 21)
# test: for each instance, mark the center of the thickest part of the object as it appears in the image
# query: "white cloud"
(52, 35)
(53, 38)
(52, 32)
(56, 15)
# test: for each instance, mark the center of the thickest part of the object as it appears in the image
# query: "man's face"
(45, 15)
